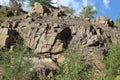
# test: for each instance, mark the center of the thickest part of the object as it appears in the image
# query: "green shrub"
(16, 65)
(117, 23)
(1, 18)
(112, 61)
(70, 10)
(75, 67)
(5, 12)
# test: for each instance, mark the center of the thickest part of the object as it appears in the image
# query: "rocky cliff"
(49, 30)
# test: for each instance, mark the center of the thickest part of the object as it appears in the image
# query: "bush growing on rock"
(14, 66)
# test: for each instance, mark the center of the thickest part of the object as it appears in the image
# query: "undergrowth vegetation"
(117, 23)
(112, 61)
(75, 67)
(16, 65)
(7, 12)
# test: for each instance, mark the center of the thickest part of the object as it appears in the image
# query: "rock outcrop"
(52, 31)
(6, 36)
(39, 9)
(45, 37)
(46, 10)
(53, 34)
(105, 21)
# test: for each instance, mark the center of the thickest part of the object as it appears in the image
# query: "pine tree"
(88, 11)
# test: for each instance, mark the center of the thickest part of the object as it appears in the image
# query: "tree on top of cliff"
(16, 3)
(117, 22)
(88, 11)
(16, 6)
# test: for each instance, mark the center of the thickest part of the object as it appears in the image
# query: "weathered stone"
(52, 34)
(57, 47)
(44, 38)
(44, 66)
(87, 19)
(38, 9)
(59, 58)
(93, 41)
(104, 20)
(11, 49)
(15, 24)
(3, 36)
(6, 37)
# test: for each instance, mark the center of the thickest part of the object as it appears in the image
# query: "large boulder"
(93, 36)
(3, 37)
(45, 10)
(105, 21)
(38, 9)
(45, 37)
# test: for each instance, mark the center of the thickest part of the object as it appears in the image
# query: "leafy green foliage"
(31, 2)
(88, 11)
(4, 12)
(16, 65)
(70, 10)
(112, 61)
(75, 67)
(117, 22)
(1, 18)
